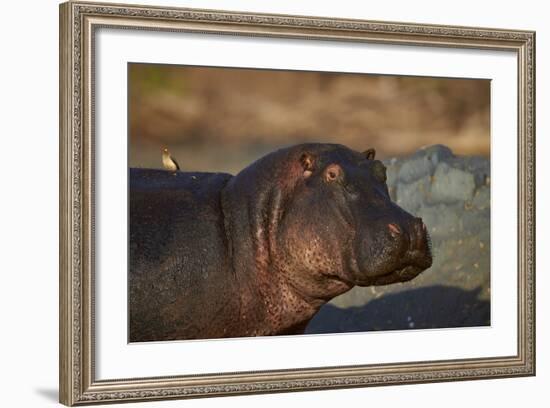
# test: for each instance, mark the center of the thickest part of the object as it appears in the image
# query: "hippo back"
(178, 248)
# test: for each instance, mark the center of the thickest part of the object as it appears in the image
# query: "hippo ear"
(369, 154)
(307, 162)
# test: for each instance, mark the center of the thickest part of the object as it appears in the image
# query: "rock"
(415, 169)
(422, 163)
(437, 153)
(480, 167)
(411, 196)
(392, 174)
(442, 220)
(482, 198)
(475, 222)
(451, 184)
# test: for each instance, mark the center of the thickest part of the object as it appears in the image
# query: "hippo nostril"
(421, 238)
(394, 230)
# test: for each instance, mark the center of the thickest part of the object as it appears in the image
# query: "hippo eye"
(333, 173)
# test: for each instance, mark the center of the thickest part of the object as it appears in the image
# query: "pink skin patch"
(394, 229)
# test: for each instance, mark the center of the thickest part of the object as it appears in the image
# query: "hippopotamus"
(213, 255)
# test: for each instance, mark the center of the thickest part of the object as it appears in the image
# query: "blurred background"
(432, 133)
(222, 119)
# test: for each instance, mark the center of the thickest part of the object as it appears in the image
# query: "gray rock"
(473, 222)
(442, 220)
(392, 174)
(423, 162)
(480, 167)
(437, 153)
(415, 168)
(411, 196)
(451, 184)
(482, 198)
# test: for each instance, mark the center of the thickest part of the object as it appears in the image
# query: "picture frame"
(79, 25)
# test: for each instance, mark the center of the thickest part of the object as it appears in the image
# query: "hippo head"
(320, 216)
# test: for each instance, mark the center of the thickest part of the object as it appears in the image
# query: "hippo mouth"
(411, 264)
(405, 257)
(400, 275)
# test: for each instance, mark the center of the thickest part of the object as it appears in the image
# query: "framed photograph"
(256, 203)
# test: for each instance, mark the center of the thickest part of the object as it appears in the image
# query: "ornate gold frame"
(78, 22)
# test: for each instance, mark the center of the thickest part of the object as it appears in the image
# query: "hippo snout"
(418, 231)
(397, 252)
(418, 238)
(420, 250)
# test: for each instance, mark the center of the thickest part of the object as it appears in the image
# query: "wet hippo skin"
(213, 255)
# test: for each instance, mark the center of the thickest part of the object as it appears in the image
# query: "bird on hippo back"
(214, 255)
